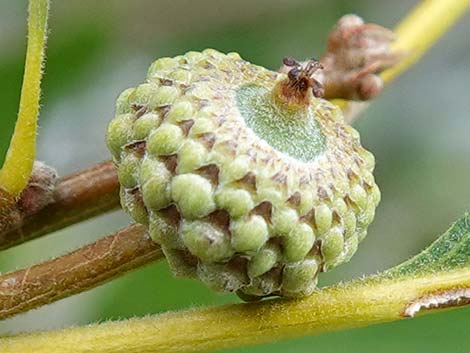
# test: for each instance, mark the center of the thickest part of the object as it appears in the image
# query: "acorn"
(246, 177)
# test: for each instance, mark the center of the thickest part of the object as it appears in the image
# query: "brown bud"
(40, 189)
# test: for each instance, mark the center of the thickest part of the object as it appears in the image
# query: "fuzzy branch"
(358, 304)
(77, 271)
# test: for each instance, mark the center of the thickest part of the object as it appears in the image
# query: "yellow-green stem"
(423, 27)
(19, 160)
(358, 304)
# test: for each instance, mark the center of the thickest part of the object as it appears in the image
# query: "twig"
(77, 197)
(358, 304)
(77, 271)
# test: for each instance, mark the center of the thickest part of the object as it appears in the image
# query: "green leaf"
(450, 251)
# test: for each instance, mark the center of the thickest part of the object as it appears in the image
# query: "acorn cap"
(246, 179)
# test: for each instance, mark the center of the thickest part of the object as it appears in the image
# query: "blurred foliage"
(418, 131)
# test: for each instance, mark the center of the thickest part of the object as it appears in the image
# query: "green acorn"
(247, 179)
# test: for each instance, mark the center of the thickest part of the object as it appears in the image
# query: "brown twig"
(9, 213)
(77, 271)
(77, 197)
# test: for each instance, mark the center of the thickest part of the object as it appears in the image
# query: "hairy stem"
(21, 154)
(358, 304)
(77, 197)
(416, 34)
(77, 271)
(421, 29)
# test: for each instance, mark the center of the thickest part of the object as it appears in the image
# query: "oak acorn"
(247, 179)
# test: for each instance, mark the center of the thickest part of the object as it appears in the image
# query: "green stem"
(19, 160)
(358, 304)
(421, 29)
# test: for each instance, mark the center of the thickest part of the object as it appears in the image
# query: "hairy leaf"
(450, 251)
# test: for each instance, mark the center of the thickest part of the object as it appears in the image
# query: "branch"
(77, 271)
(341, 307)
(77, 197)
(19, 160)
(437, 278)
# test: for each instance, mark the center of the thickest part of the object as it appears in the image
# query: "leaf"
(450, 251)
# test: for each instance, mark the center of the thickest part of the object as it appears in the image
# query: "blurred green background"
(419, 131)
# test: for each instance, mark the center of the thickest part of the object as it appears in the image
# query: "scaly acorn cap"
(245, 177)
